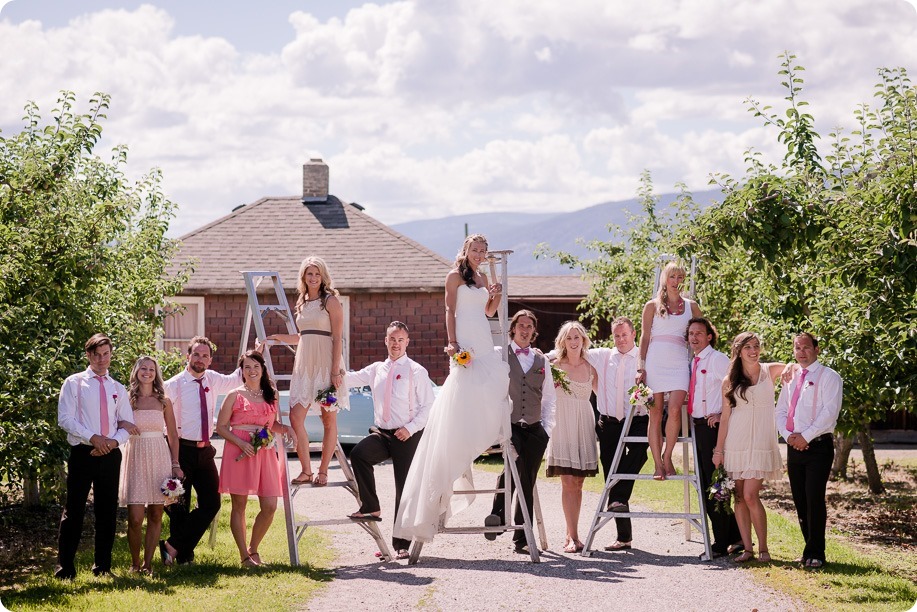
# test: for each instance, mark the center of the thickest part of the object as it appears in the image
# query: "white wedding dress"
(468, 416)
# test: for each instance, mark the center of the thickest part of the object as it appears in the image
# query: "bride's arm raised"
(453, 282)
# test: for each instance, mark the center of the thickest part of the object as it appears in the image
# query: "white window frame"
(184, 300)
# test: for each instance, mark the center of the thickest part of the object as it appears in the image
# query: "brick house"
(382, 276)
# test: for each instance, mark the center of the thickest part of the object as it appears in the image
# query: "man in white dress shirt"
(705, 404)
(91, 404)
(193, 393)
(807, 411)
(402, 397)
(531, 390)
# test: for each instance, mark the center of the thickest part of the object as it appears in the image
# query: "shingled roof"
(277, 233)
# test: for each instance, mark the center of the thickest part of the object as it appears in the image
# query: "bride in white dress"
(471, 409)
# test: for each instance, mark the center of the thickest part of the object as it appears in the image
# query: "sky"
(432, 108)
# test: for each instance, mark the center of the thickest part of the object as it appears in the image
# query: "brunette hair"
(461, 259)
(515, 319)
(200, 340)
(397, 325)
(325, 290)
(565, 330)
(669, 269)
(98, 341)
(809, 336)
(133, 390)
(623, 321)
(268, 389)
(738, 382)
(711, 330)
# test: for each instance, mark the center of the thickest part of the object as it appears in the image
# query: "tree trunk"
(869, 459)
(30, 497)
(842, 446)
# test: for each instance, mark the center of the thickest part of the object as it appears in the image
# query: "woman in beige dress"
(318, 364)
(747, 440)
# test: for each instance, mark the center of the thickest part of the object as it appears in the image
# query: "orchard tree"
(82, 250)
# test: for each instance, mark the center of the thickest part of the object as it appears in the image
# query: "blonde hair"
(133, 392)
(325, 290)
(461, 259)
(565, 330)
(670, 268)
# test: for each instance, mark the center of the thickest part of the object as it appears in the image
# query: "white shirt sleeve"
(829, 405)
(423, 395)
(782, 410)
(361, 378)
(123, 412)
(67, 410)
(223, 383)
(548, 401)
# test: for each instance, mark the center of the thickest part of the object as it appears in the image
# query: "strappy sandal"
(764, 556)
(248, 562)
(320, 480)
(659, 474)
(254, 556)
(302, 479)
(746, 556)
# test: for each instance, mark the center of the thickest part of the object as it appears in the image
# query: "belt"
(151, 434)
(194, 443)
(822, 438)
(314, 332)
(528, 425)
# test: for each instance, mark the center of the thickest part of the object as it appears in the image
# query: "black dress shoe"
(735, 548)
(167, 559)
(521, 549)
(64, 573)
(618, 507)
(102, 571)
(492, 520)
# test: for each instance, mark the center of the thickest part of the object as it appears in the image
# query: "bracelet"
(717, 452)
(176, 464)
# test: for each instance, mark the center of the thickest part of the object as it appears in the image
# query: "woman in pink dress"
(243, 470)
(664, 363)
(318, 364)
(148, 461)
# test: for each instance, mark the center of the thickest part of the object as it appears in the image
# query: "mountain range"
(523, 232)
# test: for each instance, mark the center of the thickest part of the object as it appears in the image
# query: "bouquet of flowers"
(560, 379)
(462, 358)
(641, 395)
(262, 438)
(721, 490)
(327, 397)
(172, 488)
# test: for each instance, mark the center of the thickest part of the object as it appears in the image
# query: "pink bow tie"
(523, 351)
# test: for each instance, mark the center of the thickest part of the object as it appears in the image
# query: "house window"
(184, 319)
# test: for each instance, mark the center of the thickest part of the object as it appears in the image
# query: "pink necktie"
(691, 387)
(205, 425)
(790, 423)
(103, 405)
(619, 387)
(387, 402)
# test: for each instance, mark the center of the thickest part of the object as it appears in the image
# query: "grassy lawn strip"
(852, 580)
(215, 581)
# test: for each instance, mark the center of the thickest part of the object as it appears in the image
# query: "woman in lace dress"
(318, 364)
(572, 453)
(148, 460)
(747, 440)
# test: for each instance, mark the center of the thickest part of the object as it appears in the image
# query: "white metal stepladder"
(691, 480)
(255, 312)
(511, 474)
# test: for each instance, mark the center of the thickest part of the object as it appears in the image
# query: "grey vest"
(525, 388)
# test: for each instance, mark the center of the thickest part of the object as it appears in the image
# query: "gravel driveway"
(468, 572)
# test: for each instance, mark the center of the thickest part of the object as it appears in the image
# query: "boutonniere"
(206, 389)
(809, 383)
(398, 377)
(541, 371)
(703, 371)
(114, 396)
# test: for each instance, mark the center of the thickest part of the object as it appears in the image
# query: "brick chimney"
(314, 181)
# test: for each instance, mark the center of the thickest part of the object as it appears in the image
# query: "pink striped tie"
(103, 405)
(692, 385)
(790, 422)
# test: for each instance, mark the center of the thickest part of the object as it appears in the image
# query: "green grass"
(854, 578)
(215, 581)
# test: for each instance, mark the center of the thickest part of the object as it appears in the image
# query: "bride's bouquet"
(172, 488)
(462, 358)
(327, 398)
(721, 490)
(262, 438)
(641, 396)
(560, 380)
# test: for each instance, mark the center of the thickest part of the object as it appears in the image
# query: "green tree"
(82, 250)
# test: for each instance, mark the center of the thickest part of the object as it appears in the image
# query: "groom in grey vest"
(531, 390)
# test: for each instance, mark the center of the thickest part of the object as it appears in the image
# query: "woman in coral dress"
(148, 461)
(244, 471)
(664, 363)
(572, 450)
(471, 409)
(318, 365)
(747, 440)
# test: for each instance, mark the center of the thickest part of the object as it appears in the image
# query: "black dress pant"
(809, 471)
(530, 444)
(633, 457)
(723, 524)
(187, 526)
(378, 446)
(101, 474)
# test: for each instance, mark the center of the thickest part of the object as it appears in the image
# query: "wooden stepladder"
(691, 479)
(255, 313)
(511, 474)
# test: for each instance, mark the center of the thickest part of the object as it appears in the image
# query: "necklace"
(679, 305)
(256, 393)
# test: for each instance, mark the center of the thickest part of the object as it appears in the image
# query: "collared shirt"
(79, 409)
(548, 391)
(410, 407)
(186, 400)
(811, 420)
(606, 362)
(708, 391)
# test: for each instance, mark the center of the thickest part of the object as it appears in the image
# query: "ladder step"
(479, 491)
(481, 529)
(322, 522)
(645, 439)
(674, 515)
(650, 477)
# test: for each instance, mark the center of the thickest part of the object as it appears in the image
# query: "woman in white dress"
(471, 409)
(664, 363)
